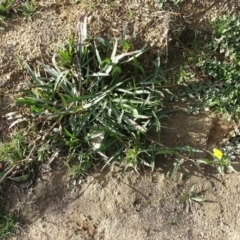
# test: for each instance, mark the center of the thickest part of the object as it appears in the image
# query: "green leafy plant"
(13, 154)
(96, 102)
(6, 7)
(214, 82)
(8, 223)
(188, 198)
(28, 9)
(221, 161)
(182, 155)
(66, 54)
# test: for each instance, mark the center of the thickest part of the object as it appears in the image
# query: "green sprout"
(6, 7)
(188, 198)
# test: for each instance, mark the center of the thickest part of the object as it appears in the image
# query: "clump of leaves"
(214, 84)
(13, 154)
(225, 37)
(188, 198)
(96, 102)
(14, 149)
(28, 9)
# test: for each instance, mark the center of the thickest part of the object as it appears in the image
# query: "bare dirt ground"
(113, 204)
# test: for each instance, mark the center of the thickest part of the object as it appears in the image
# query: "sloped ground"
(113, 204)
(122, 205)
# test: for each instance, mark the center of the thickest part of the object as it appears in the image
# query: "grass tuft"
(96, 102)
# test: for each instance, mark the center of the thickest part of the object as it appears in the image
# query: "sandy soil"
(113, 204)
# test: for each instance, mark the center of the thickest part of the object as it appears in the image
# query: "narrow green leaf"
(198, 199)
(97, 54)
(166, 151)
(134, 125)
(69, 134)
(20, 179)
(157, 122)
(60, 78)
(32, 74)
(176, 167)
(231, 169)
(119, 119)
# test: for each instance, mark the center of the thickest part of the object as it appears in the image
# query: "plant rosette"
(221, 161)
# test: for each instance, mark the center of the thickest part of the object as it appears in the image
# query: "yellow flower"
(217, 153)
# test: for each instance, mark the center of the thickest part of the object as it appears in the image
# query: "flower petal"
(217, 153)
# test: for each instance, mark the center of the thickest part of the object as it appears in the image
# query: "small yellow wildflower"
(217, 153)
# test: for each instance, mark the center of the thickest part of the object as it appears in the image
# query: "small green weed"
(188, 198)
(28, 9)
(220, 161)
(14, 149)
(8, 7)
(14, 157)
(172, 223)
(5, 9)
(66, 54)
(8, 223)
